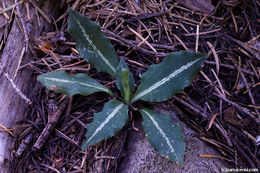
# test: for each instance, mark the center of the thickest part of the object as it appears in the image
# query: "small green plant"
(159, 83)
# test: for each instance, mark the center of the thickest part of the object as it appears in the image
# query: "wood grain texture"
(12, 106)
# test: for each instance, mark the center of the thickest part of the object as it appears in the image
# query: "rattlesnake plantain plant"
(159, 83)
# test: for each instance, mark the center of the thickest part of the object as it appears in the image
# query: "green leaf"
(124, 80)
(92, 44)
(161, 81)
(61, 82)
(106, 123)
(164, 135)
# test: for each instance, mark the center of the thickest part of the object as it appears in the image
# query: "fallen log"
(16, 34)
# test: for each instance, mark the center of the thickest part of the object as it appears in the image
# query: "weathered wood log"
(12, 105)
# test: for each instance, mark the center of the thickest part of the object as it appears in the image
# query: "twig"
(161, 54)
(182, 43)
(205, 116)
(215, 156)
(94, 5)
(215, 55)
(51, 168)
(204, 33)
(249, 92)
(224, 133)
(18, 91)
(41, 12)
(23, 145)
(53, 118)
(230, 67)
(242, 109)
(242, 44)
(19, 62)
(143, 40)
(11, 7)
(219, 83)
(243, 153)
(5, 129)
(197, 38)
(66, 137)
(5, 14)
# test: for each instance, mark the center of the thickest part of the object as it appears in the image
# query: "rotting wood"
(13, 107)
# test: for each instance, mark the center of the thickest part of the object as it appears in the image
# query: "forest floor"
(222, 103)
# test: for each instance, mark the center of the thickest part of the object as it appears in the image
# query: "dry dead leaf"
(230, 116)
(204, 6)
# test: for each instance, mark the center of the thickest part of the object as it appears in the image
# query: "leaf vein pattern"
(166, 79)
(162, 133)
(110, 116)
(95, 48)
(74, 82)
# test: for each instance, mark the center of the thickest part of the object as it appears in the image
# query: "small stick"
(197, 38)
(241, 44)
(220, 85)
(66, 137)
(242, 109)
(182, 43)
(215, 156)
(206, 116)
(143, 39)
(18, 91)
(224, 133)
(53, 118)
(132, 44)
(23, 145)
(19, 62)
(215, 55)
(7, 130)
(249, 92)
(94, 5)
(204, 33)
(11, 7)
(41, 12)
(5, 14)
(230, 67)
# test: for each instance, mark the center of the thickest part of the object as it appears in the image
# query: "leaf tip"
(70, 10)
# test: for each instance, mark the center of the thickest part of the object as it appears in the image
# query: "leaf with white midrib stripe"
(61, 82)
(106, 123)
(91, 43)
(164, 135)
(160, 82)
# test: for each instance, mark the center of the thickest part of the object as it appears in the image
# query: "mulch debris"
(222, 104)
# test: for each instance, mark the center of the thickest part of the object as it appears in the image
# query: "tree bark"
(12, 106)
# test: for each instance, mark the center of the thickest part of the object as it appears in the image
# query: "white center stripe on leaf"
(166, 79)
(75, 82)
(162, 133)
(109, 117)
(95, 48)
